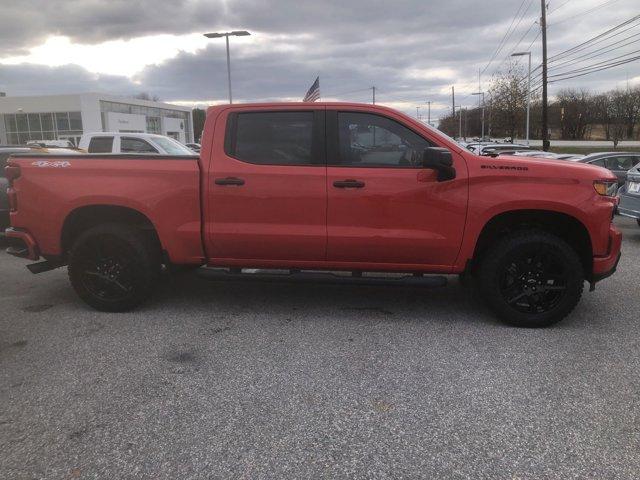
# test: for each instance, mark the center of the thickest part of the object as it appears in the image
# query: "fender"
(479, 220)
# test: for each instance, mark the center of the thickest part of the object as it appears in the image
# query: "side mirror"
(439, 159)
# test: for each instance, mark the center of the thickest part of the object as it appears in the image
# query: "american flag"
(313, 93)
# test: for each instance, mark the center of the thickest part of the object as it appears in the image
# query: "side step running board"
(430, 281)
(45, 266)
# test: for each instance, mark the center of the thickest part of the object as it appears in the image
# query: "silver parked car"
(629, 195)
(618, 162)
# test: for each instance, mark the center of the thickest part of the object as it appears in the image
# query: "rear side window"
(621, 163)
(272, 138)
(101, 145)
(135, 145)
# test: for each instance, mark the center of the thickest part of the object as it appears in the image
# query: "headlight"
(607, 188)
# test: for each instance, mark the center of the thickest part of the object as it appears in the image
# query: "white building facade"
(67, 117)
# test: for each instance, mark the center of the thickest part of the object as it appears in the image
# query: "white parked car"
(121, 142)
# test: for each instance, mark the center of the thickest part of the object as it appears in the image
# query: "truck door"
(267, 196)
(383, 206)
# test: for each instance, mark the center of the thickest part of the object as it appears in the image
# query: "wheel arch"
(87, 216)
(561, 224)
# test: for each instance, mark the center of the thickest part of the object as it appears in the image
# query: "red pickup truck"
(320, 186)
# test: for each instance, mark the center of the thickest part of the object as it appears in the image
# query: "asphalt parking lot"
(253, 380)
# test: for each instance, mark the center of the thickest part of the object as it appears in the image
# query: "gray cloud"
(352, 45)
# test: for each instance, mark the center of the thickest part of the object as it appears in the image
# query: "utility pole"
(545, 110)
(373, 92)
(429, 112)
(453, 100)
(465, 125)
(418, 112)
(528, 54)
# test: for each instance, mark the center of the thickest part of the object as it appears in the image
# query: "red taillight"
(12, 172)
(13, 199)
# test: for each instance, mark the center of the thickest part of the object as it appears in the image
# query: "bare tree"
(576, 113)
(508, 99)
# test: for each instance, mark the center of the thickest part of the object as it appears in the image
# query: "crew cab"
(320, 187)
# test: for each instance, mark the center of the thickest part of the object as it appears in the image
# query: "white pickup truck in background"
(120, 142)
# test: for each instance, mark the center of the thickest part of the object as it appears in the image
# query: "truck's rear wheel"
(113, 267)
(531, 278)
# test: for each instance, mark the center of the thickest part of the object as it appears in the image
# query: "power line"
(589, 55)
(558, 7)
(595, 64)
(606, 67)
(592, 44)
(597, 7)
(508, 33)
(596, 39)
(516, 46)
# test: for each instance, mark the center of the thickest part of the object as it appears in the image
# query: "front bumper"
(605, 266)
(25, 245)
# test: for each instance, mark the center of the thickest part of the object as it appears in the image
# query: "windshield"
(172, 147)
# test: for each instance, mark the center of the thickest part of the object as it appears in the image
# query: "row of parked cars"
(625, 165)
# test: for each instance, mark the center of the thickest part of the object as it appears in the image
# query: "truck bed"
(166, 189)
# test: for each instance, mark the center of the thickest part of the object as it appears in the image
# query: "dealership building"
(67, 117)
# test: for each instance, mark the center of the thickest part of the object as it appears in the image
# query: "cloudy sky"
(411, 50)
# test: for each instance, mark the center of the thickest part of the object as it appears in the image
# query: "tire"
(114, 267)
(638, 220)
(531, 278)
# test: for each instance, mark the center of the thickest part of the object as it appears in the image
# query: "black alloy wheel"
(531, 278)
(114, 267)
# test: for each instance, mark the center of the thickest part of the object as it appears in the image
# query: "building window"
(21, 121)
(75, 121)
(62, 121)
(47, 122)
(153, 125)
(23, 127)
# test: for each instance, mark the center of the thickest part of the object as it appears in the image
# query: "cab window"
(135, 145)
(272, 138)
(101, 145)
(368, 140)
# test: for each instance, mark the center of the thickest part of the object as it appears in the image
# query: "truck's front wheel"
(113, 267)
(531, 278)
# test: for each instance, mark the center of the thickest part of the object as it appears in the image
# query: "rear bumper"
(605, 266)
(25, 245)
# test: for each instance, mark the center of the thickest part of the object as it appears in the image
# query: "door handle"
(349, 183)
(229, 181)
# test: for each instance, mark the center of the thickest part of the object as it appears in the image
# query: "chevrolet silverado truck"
(332, 187)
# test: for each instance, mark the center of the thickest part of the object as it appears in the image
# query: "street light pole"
(429, 113)
(226, 35)
(519, 54)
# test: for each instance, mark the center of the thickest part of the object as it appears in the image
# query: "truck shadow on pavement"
(301, 301)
